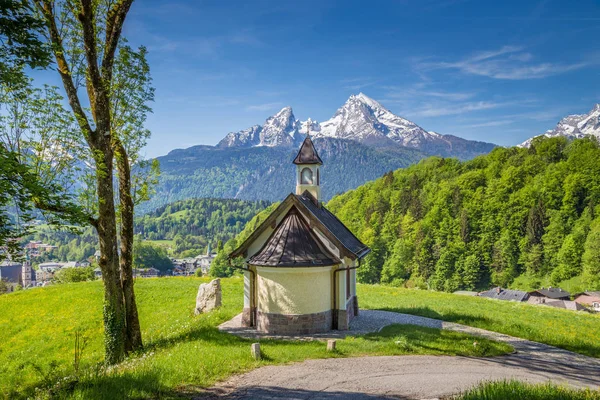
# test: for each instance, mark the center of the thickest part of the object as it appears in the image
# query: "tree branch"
(114, 25)
(45, 7)
(94, 83)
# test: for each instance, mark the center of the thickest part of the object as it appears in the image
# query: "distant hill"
(185, 227)
(267, 173)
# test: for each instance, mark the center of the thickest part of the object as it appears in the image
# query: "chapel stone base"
(303, 324)
(247, 320)
(345, 316)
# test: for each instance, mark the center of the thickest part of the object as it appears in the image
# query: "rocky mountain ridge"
(574, 126)
(360, 119)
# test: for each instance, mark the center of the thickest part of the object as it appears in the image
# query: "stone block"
(255, 351)
(208, 297)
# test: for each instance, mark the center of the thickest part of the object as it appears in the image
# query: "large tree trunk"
(114, 310)
(133, 331)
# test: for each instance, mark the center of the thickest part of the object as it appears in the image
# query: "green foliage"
(148, 256)
(181, 350)
(221, 266)
(183, 229)
(3, 287)
(517, 390)
(195, 223)
(469, 225)
(20, 191)
(75, 274)
(591, 255)
(21, 46)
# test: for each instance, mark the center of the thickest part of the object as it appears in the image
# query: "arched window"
(306, 176)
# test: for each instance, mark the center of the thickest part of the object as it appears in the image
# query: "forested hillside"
(267, 173)
(454, 225)
(193, 224)
(187, 227)
(448, 225)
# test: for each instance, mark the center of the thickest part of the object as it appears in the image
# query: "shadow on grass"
(102, 386)
(204, 333)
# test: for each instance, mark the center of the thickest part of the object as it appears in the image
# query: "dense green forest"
(448, 225)
(185, 228)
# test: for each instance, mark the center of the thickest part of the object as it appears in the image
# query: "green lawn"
(184, 353)
(575, 331)
(515, 390)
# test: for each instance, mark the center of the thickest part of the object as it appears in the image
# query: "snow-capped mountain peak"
(280, 129)
(575, 126)
(360, 119)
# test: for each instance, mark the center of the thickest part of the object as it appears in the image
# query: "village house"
(591, 300)
(185, 266)
(45, 272)
(205, 260)
(71, 264)
(36, 248)
(543, 295)
(300, 263)
(566, 304)
(146, 273)
(499, 293)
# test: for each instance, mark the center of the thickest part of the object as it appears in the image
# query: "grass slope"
(575, 331)
(515, 390)
(183, 352)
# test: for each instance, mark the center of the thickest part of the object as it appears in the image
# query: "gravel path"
(420, 377)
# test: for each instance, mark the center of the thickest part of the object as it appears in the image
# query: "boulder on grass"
(209, 296)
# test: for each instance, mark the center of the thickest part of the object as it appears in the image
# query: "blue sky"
(498, 71)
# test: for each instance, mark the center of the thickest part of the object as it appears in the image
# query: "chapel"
(300, 263)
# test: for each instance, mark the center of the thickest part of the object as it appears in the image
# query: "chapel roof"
(307, 153)
(319, 217)
(293, 244)
(333, 225)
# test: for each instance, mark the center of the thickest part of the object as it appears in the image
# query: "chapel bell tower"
(308, 164)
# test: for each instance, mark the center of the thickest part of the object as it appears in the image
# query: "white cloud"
(436, 110)
(508, 62)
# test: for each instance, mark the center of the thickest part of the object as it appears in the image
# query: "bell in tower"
(308, 164)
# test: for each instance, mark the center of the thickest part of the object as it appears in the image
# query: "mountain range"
(575, 126)
(360, 119)
(362, 141)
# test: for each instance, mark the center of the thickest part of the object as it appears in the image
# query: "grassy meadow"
(515, 390)
(183, 354)
(571, 330)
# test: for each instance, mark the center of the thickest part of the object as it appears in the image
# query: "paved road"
(410, 377)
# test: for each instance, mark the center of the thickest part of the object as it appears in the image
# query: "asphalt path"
(410, 377)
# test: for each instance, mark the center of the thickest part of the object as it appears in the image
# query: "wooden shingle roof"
(293, 244)
(318, 217)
